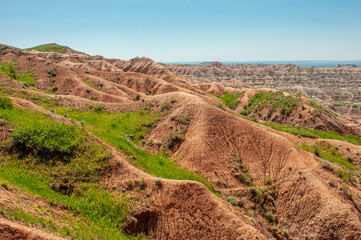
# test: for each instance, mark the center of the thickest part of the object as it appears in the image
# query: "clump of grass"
(5, 103)
(97, 108)
(53, 89)
(10, 70)
(313, 133)
(326, 151)
(92, 85)
(48, 140)
(231, 99)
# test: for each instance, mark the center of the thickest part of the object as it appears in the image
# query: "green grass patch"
(346, 103)
(99, 213)
(73, 183)
(91, 85)
(320, 107)
(10, 70)
(20, 215)
(50, 47)
(47, 102)
(313, 133)
(5, 103)
(273, 101)
(326, 151)
(231, 99)
(124, 131)
(48, 140)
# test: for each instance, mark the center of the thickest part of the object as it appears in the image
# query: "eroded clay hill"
(337, 87)
(266, 183)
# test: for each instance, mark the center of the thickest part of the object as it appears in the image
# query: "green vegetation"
(272, 100)
(320, 107)
(258, 196)
(51, 47)
(5, 103)
(97, 108)
(231, 99)
(313, 133)
(74, 183)
(346, 103)
(48, 140)
(326, 151)
(277, 100)
(91, 84)
(125, 131)
(47, 102)
(20, 215)
(10, 70)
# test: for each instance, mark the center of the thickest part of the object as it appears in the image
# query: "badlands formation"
(186, 152)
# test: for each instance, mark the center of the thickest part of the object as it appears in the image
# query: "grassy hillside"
(50, 47)
(60, 164)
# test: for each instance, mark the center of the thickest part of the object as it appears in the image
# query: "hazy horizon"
(190, 31)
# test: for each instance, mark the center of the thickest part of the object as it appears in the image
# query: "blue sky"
(189, 30)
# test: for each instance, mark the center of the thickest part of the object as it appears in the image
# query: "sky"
(189, 30)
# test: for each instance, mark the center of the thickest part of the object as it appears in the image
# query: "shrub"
(9, 69)
(48, 140)
(5, 103)
(165, 106)
(255, 192)
(97, 108)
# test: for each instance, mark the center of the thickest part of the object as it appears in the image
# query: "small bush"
(48, 140)
(97, 108)
(255, 192)
(165, 106)
(5, 103)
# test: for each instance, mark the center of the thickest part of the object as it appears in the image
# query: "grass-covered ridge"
(50, 47)
(9, 69)
(273, 101)
(320, 107)
(313, 133)
(73, 183)
(347, 170)
(125, 131)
